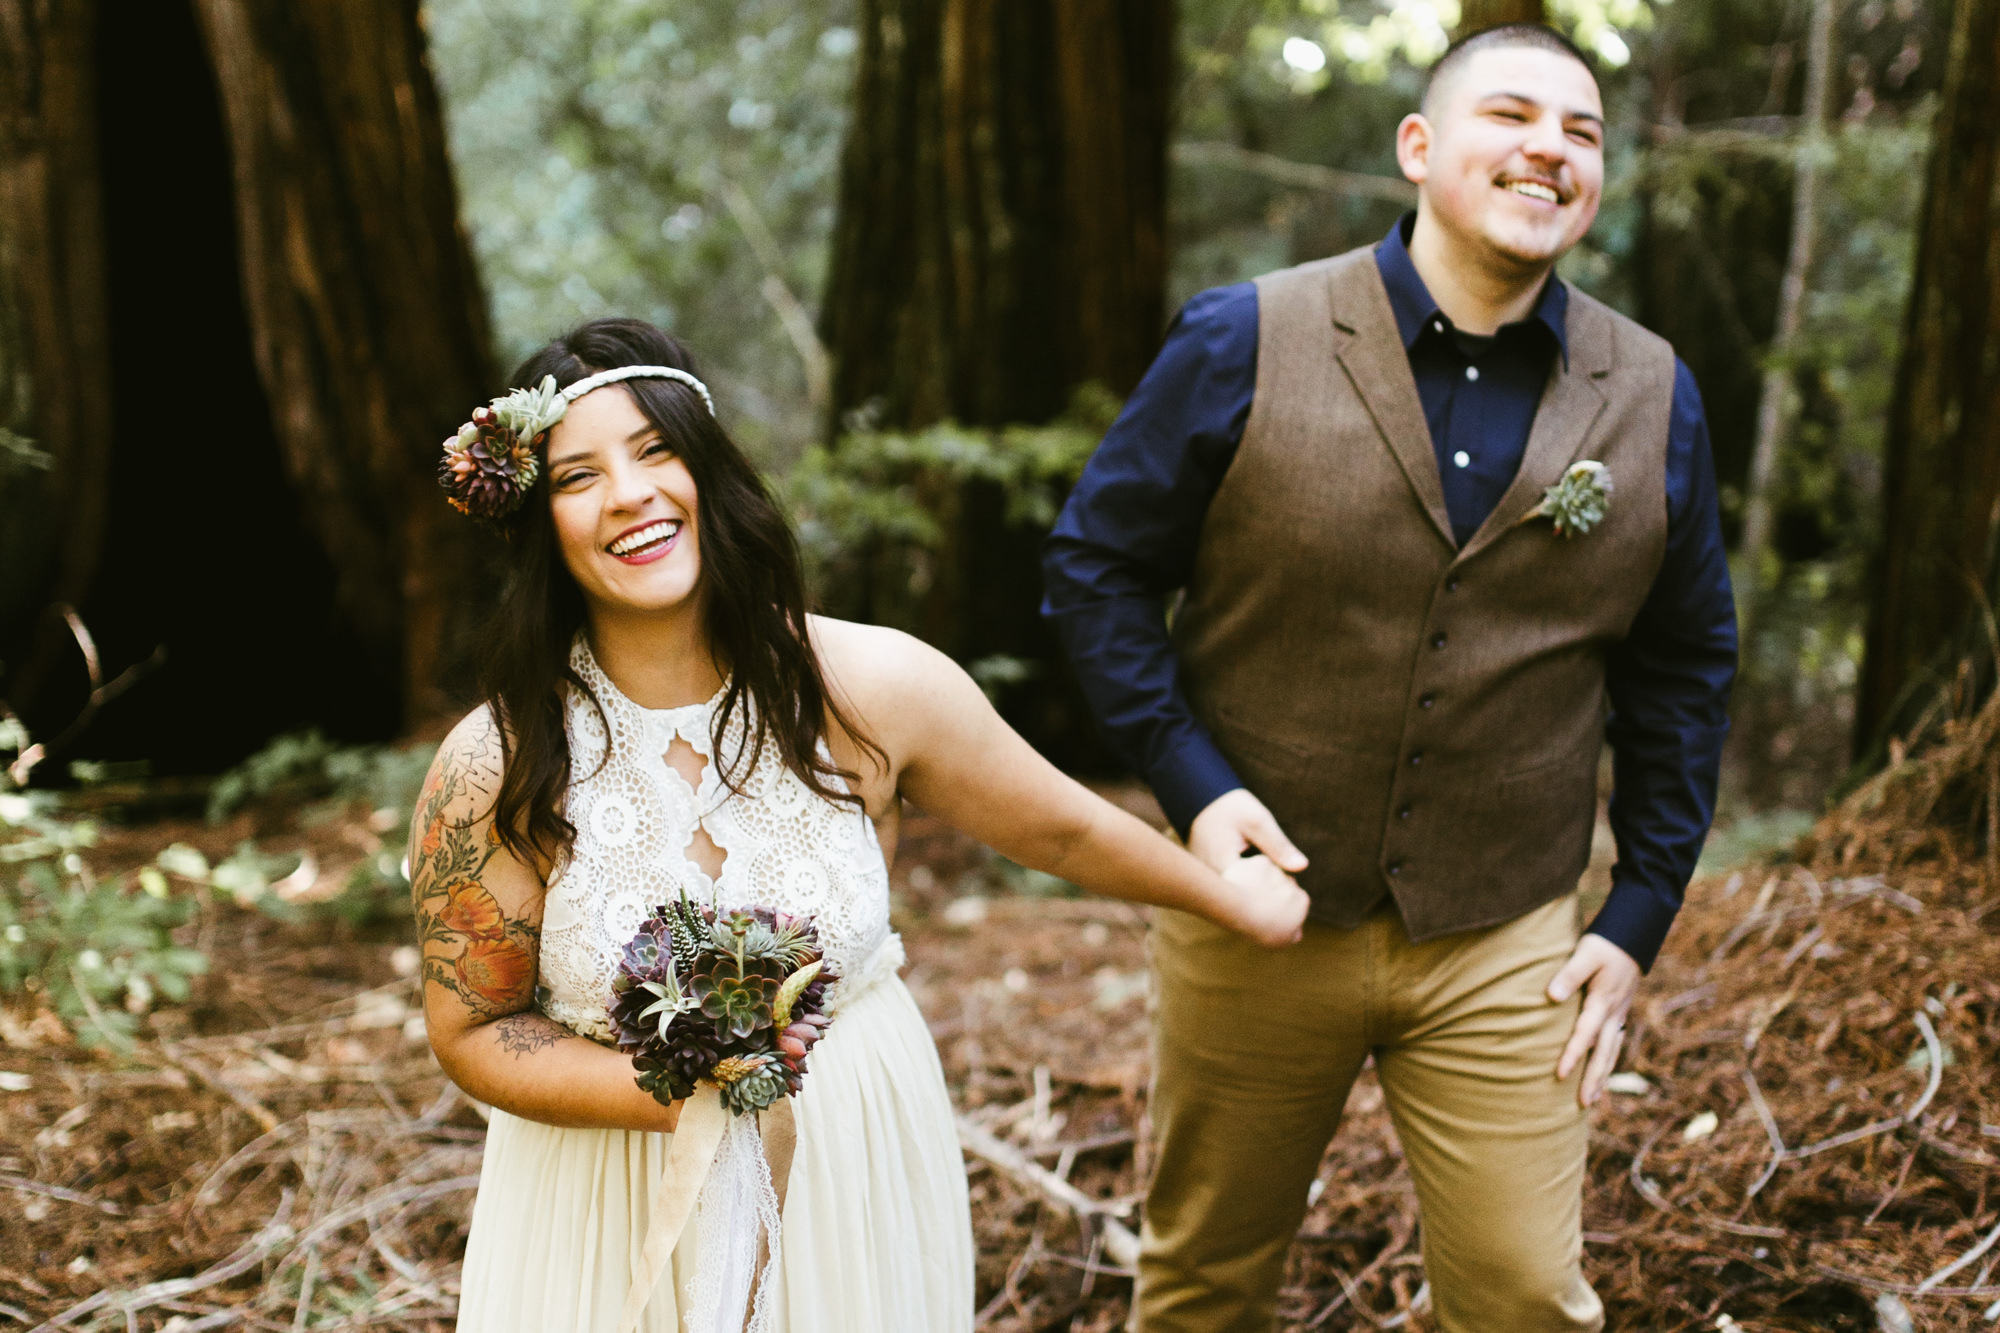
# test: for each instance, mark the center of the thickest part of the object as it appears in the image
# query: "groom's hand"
(1270, 907)
(1235, 823)
(1609, 978)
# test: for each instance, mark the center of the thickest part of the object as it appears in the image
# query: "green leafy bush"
(877, 512)
(322, 780)
(97, 952)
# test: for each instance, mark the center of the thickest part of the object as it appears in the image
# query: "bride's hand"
(1268, 905)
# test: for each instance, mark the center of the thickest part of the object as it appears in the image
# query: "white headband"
(604, 377)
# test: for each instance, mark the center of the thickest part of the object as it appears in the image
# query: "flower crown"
(492, 463)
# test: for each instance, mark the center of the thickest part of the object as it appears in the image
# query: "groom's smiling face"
(1508, 153)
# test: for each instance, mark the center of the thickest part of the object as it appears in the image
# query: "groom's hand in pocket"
(1236, 824)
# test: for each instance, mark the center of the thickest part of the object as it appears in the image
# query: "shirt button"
(1451, 584)
(1462, 458)
(1472, 372)
(1416, 759)
(1403, 813)
(1394, 868)
(1438, 639)
(1427, 700)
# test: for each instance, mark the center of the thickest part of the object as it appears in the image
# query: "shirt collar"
(1411, 300)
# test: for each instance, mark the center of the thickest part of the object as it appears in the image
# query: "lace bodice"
(783, 847)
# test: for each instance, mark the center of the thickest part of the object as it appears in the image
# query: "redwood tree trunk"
(52, 327)
(1002, 232)
(1001, 241)
(1943, 443)
(366, 317)
(1477, 15)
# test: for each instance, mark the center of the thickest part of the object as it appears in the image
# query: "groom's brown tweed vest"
(1424, 720)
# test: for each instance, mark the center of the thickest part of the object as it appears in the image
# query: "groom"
(1390, 674)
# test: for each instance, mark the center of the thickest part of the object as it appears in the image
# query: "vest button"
(1394, 868)
(1416, 758)
(1426, 700)
(1451, 584)
(1438, 639)
(1403, 813)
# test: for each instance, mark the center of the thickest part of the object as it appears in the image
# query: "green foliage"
(305, 768)
(305, 771)
(19, 454)
(1753, 838)
(612, 153)
(889, 497)
(97, 952)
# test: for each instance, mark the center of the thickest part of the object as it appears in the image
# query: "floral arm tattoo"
(472, 948)
(528, 1034)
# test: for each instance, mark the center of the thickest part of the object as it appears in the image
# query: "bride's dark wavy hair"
(756, 607)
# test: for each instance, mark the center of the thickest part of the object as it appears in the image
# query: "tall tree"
(366, 316)
(232, 289)
(1934, 567)
(54, 372)
(1001, 241)
(1478, 15)
(1775, 407)
(1002, 231)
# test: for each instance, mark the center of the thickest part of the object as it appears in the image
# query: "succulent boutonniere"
(1578, 502)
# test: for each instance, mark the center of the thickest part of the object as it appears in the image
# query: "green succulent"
(739, 1002)
(529, 412)
(671, 1001)
(1578, 502)
(750, 1083)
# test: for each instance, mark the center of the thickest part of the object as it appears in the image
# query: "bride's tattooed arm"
(479, 920)
(474, 947)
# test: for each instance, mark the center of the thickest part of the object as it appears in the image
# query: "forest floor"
(1807, 1136)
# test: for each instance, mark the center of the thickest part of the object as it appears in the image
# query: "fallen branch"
(1004, 1157)
(255, 1109)
(27, 1186)
(253, 1252)
(1903, 1288)
(1652, 1194)
(1770, 1123)
(1964, 1260)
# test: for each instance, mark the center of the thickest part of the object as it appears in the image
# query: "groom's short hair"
(1539, 36)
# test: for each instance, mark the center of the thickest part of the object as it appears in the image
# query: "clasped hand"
(1269, 907)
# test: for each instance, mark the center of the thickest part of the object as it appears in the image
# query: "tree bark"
(1001, 241)
(366, 316)
(1774, 406)
(1002, 232)
(1943, 440)
(1479, 15)
(54, 364)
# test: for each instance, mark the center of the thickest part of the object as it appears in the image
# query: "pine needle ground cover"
(1812, 1135)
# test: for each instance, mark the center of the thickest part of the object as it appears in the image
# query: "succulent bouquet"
(733, 998)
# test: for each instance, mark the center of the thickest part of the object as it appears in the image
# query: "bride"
(662, 715)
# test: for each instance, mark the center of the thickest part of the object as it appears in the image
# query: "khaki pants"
(1254, 1053)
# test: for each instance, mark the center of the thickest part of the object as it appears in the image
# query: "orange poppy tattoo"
(471, 910)
(472, 948)
(497, 971)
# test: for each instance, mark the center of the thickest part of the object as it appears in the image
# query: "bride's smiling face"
(624, 506)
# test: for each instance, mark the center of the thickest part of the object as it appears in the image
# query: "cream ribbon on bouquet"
(735, 1168)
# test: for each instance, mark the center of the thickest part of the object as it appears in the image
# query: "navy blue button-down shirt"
(1127, 537)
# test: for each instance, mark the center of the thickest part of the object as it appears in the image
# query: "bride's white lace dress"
(877, 1234)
